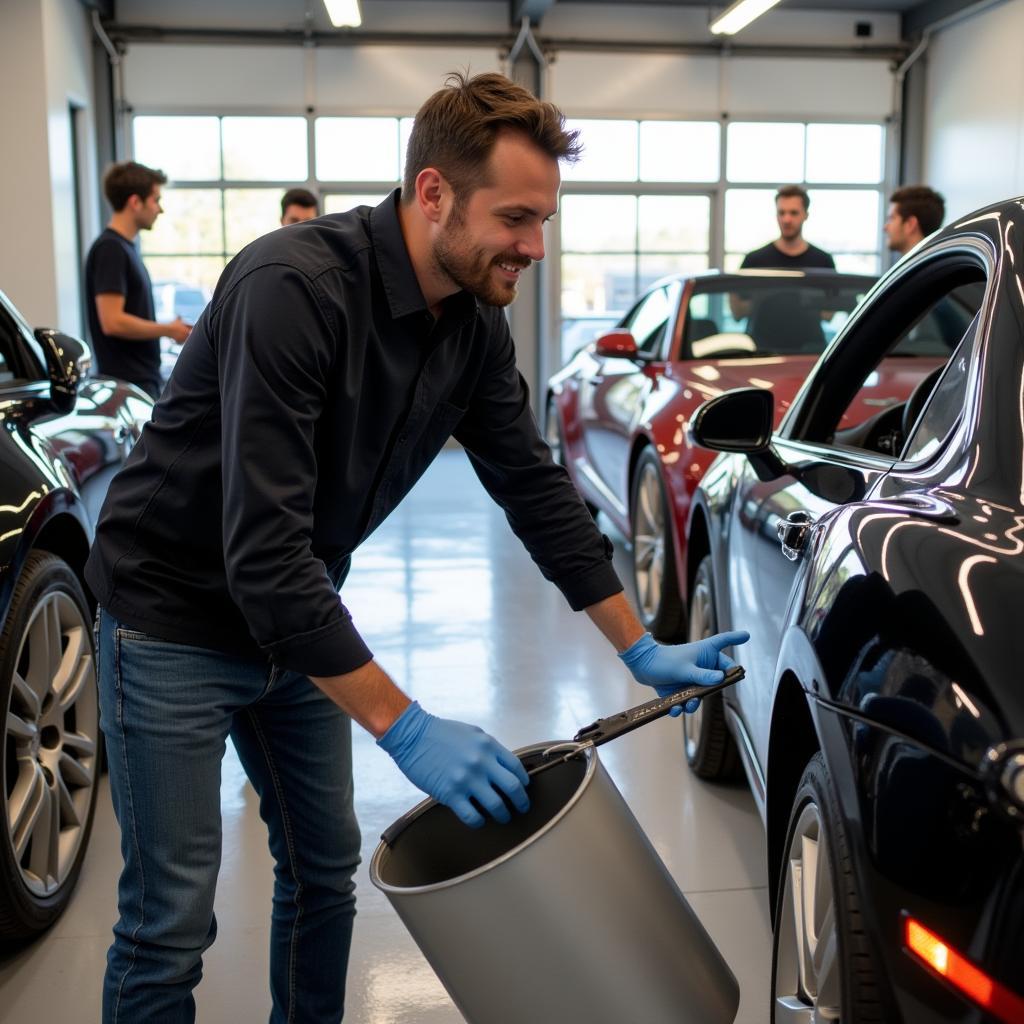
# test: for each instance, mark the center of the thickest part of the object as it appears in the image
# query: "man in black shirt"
(125, 334)
(790, 251)
(332, 363)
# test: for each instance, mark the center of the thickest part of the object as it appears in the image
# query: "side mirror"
(67, 361)
(617, 344)
(737, 421)
(740, 421)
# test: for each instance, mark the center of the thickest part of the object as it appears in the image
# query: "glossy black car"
(62, 438)
(879, 568)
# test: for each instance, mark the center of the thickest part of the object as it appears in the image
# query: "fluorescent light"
(344, 13)
(740, 15)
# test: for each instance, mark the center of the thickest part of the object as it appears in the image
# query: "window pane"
(657, 265)
(184, 148)
(750, 218)
(765, 152)
(357, 149)
(337, 202)
(178, 279)
(679, 150)
(598, 223)
(844, 153)
(404, 131)
(265, 149)
(191, 223)
(609, 151)
(597, 284)
(856, 262)
(843, 220)
(675, 223)
(249, 213)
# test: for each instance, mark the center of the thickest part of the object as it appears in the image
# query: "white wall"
(45, 63)
(974, 110)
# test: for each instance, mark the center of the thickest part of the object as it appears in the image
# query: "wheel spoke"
(25, 806)
(73, 772)
(25, 695)
(66, 808)
(790, 1010)
(44, 857)
(67, 680)
(19, 728)
(81, 745)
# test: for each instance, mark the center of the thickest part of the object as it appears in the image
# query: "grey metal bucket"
(564, 915)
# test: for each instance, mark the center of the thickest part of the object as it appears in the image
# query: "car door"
(844, 434)
(615, 393)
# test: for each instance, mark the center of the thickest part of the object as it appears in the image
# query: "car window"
(872, 391)
(11, 368)
(767, 317)
(648, 322)
(945, 406)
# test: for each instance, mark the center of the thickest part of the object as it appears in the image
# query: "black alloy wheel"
(710, 748)
(659, 606)
(822, 967)
(52, 745)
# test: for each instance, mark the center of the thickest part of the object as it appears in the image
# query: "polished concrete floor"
(456, 611)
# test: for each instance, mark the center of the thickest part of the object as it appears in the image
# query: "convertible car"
(616, 411)
(878, 563)
(63, 438)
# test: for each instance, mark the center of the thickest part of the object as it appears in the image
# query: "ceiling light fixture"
(739, 15)
(344, 13)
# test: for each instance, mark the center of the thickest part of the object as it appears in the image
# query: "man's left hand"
(670, 668)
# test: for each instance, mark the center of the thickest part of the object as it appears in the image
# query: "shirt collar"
(396, 272)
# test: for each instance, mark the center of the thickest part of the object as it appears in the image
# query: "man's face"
(790, 213)
(901, 232)
(147, 210)
(295, 214)
(484, 245)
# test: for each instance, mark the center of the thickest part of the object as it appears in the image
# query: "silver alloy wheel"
(50, 743)
(807, 968)
(701, 625)
(649, 542)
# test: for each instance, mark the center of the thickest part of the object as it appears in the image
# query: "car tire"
(659, 606)
(709, 746)
(52, 744)
(822, 967)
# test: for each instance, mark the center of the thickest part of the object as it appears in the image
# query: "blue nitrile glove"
(670, 668)
(453, 761)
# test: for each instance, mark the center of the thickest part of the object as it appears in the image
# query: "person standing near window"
(915, 211)
(790, 251)
(122, 324)
(297, 205)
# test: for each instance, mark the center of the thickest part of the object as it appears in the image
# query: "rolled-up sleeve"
(505, 447)
(277, 339)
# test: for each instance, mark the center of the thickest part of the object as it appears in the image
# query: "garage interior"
(689, 134)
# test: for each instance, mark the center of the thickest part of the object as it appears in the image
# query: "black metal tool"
(605, 729)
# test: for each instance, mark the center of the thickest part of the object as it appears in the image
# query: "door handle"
(793, 532)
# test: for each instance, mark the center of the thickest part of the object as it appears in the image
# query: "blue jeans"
(166, 712)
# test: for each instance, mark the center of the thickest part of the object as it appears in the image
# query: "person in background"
(331, 366)
(125, 334)
(297, 205)
(790, 251)
(915, 211)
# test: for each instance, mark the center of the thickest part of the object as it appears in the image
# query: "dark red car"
(617, 412)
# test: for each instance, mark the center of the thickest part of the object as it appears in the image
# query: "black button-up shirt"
(313, 392)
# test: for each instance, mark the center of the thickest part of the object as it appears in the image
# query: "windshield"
(768, 316)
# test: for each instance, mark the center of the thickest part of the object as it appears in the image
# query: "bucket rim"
(589, 752)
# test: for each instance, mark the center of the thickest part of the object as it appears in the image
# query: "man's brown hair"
(124, 180)
(299, 197)
(794, 192)
(456, 128)
(921, 202)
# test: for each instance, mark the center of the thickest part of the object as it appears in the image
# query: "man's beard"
(470, 269)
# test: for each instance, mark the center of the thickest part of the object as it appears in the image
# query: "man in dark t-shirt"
(790, 251)
(125, 334)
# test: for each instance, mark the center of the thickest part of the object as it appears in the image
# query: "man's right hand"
(178, 330)
(453, 762)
